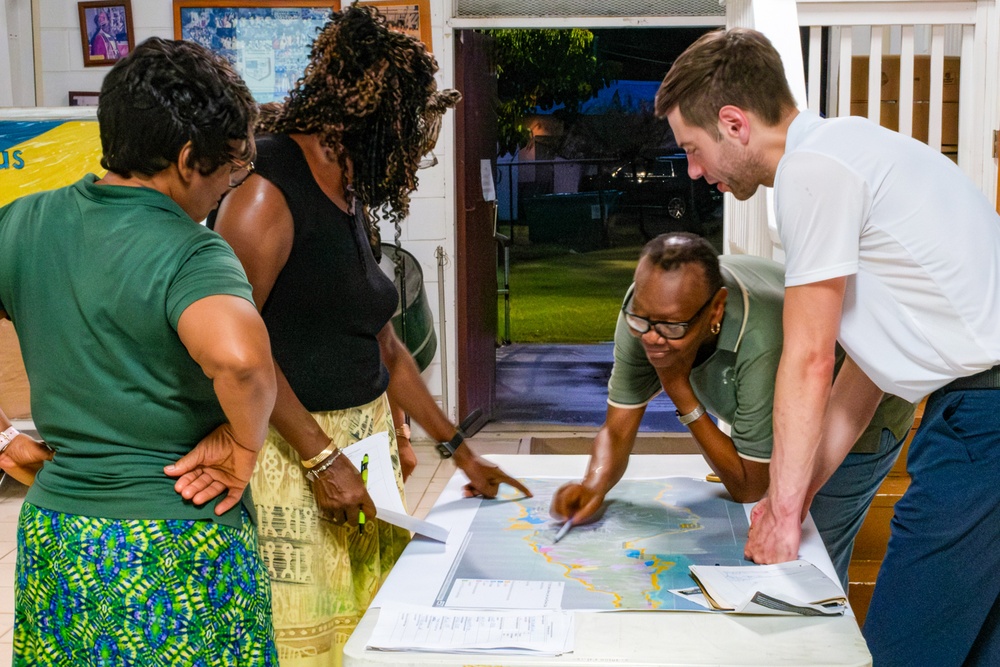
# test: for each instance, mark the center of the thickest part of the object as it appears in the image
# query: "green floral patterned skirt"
(150, 593)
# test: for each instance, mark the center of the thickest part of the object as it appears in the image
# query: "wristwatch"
(447, 449)
(691, 416)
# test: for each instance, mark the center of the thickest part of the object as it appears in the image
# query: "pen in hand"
(364, 480)
(562, 531)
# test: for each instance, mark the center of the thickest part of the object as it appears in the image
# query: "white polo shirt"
(920, 245)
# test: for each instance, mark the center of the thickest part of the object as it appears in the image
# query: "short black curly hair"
(673, 250)
(369, 94)
(165, 93)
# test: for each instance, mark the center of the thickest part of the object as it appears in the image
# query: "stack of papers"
(795, 588)
(383, 490)
(414, 628)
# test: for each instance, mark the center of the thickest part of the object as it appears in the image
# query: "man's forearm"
(811, 322)
(802, 391)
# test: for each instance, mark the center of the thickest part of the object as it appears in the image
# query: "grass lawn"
(560, 296)
(564, 297)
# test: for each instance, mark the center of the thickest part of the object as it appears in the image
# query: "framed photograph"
(105, 31)
(79, 98)
(412, 18)
(267, 41)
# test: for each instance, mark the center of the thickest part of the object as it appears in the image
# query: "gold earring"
(716, 328)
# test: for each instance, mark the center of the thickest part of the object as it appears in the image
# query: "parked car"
(661, 195)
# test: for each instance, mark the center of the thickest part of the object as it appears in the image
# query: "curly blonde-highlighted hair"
(369, 94)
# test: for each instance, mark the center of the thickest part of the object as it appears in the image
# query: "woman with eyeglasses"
(707, 331)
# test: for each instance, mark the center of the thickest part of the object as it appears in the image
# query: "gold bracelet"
(311, 463)
(313, 475)
(403, 431)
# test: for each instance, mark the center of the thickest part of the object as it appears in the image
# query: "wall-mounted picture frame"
(412, 17)
(267, 41)
(105, 31)
(79, 98)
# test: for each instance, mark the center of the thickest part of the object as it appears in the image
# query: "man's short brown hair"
(739, 67)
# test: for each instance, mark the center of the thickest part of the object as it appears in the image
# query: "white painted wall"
(432, 214)
(17, 72)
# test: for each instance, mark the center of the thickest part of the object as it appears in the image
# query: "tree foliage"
(543, 68)
(617, 133)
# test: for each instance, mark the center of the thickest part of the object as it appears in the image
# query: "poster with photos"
(267, 42)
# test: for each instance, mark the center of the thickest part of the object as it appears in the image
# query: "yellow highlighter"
(364, 480)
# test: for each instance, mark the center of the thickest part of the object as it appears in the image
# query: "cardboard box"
(922, 78)
(15, 395)
(949, 122)
(859, 79)
(889, 90)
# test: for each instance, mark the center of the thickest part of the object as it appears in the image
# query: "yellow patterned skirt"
(323, 576)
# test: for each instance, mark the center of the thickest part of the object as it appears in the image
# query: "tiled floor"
(422, 489)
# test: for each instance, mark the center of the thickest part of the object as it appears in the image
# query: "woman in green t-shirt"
(151, 380)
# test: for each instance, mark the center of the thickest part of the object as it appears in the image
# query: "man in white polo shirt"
(891, 250)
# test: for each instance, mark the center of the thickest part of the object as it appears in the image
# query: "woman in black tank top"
(343, 149)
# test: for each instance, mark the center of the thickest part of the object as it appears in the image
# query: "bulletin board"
(267, 41)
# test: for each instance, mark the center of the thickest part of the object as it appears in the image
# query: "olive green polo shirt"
(736, 383)
(95, 279)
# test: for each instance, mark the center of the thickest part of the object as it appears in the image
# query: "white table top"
(661, 638)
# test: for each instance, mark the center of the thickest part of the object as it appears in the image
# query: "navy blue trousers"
(936, 596)
(840, 507)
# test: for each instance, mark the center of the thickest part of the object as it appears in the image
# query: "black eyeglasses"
(239, 173)
(669, 330)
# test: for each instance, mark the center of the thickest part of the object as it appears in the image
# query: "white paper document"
(382, 487)
(795, 588)
(505, 594)
(413, 628)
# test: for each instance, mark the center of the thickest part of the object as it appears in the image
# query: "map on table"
(650, 532)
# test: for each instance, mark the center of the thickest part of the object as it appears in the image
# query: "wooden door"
(475, 247)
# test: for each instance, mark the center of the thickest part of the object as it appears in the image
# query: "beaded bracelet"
(314, 474)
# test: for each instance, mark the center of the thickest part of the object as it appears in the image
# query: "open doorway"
(574, 205)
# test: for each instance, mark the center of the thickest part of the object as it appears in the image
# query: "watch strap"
(7, 436)
(691, 416)
(447, 449)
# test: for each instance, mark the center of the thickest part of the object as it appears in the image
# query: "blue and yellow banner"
(38, 155)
